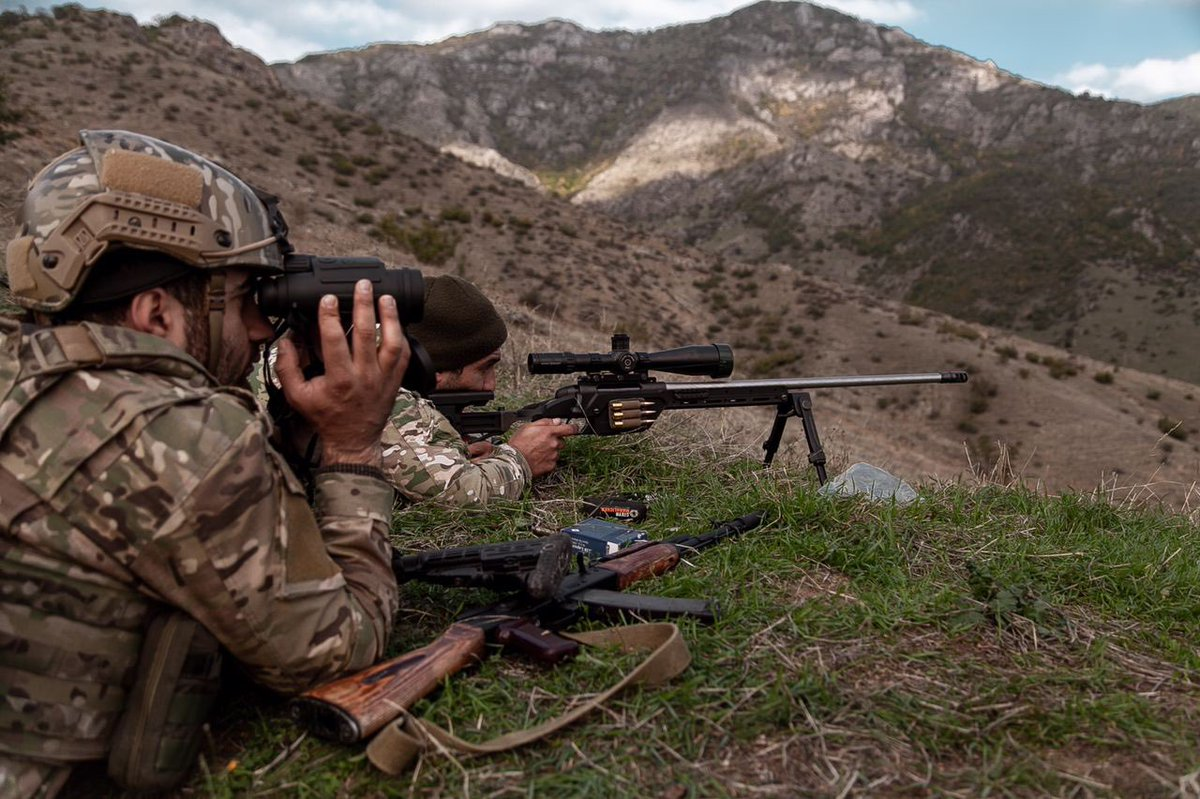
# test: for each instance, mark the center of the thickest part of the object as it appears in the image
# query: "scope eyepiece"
(307, 278)
(706, 360)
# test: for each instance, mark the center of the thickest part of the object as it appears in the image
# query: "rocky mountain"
(566, 277)
(787, 133)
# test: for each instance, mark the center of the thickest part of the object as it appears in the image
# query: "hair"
(191, 290)
(189, 286)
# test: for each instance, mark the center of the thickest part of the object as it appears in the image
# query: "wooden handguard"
(641, 563)
(356, 707)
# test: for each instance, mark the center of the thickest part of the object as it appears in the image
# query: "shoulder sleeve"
(426, 459)
(297, 599)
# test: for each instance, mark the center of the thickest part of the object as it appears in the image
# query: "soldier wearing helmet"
(145, 521)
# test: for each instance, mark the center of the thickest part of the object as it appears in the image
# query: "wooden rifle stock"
(639, 563)
(358, 706)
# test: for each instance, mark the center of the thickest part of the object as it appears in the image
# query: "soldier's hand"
(480, 449)
(350, 403)
(540, 443)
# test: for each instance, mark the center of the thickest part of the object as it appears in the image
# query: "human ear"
(156, 312)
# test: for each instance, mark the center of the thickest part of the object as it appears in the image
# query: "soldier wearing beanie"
(423, 455)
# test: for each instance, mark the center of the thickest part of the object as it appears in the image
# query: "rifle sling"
(394, 748)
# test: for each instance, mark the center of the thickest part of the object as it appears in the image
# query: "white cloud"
(887, 12)
(1147, 81)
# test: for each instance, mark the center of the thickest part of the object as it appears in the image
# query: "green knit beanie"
(460, 325)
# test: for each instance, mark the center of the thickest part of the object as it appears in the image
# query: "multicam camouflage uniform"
(426, 458)
(129, 482)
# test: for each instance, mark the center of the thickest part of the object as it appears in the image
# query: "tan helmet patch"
(17, 261)
(149, 175)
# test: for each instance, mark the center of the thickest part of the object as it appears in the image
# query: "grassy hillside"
(986, 639)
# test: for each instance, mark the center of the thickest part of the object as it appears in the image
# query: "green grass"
(982, 641)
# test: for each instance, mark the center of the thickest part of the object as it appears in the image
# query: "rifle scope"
(708, 360)
(306, 278)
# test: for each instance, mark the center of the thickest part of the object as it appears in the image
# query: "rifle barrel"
(838, 381)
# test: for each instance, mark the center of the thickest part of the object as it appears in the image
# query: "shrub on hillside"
(430, 243)
(1172, 428)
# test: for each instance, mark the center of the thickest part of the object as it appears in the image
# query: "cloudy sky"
(1143, 50)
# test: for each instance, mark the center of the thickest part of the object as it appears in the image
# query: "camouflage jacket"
(133, 482)
(426, 459)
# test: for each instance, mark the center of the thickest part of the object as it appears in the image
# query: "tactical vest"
(71, 634)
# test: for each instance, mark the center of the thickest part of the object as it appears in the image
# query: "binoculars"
(293, 296)
(307, 278)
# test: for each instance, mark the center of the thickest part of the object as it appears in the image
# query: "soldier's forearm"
(504, 475)
(354, 513)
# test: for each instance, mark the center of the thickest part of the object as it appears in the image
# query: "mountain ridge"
(788, 132)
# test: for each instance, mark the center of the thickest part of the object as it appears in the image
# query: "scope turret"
(706, 360)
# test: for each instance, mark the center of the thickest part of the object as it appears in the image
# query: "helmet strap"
(216, 319)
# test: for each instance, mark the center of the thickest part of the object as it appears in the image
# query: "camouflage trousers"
(30, 779)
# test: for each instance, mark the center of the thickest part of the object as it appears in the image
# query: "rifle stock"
(358, 706)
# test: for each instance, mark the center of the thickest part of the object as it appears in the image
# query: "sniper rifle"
(357, 706)
(617, 394)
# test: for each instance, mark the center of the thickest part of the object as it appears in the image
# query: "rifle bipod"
(798, 403)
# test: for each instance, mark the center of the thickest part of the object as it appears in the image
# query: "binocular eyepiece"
(306, 278)
(706, 360)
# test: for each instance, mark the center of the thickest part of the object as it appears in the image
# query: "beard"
(233, 362)
(198, 345)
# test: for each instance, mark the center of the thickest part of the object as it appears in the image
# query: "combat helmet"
(131, 190)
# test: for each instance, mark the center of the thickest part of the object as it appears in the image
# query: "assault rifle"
(356, 707)
(535, 567)
(617, 394)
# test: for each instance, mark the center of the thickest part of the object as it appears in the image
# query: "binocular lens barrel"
(307, 278)
(707, 360)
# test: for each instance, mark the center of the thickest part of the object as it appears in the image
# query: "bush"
(1173, 428)
(1059, 367)
(958, 329)
(429, 243)
(456, 213)
(342, 165)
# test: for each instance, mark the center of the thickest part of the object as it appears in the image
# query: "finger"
(334, 349)
(364, 325)
(287, 368)
(394, 352)
(564, 430)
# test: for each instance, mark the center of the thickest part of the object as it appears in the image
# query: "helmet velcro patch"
(151, 176)
(17, 261)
